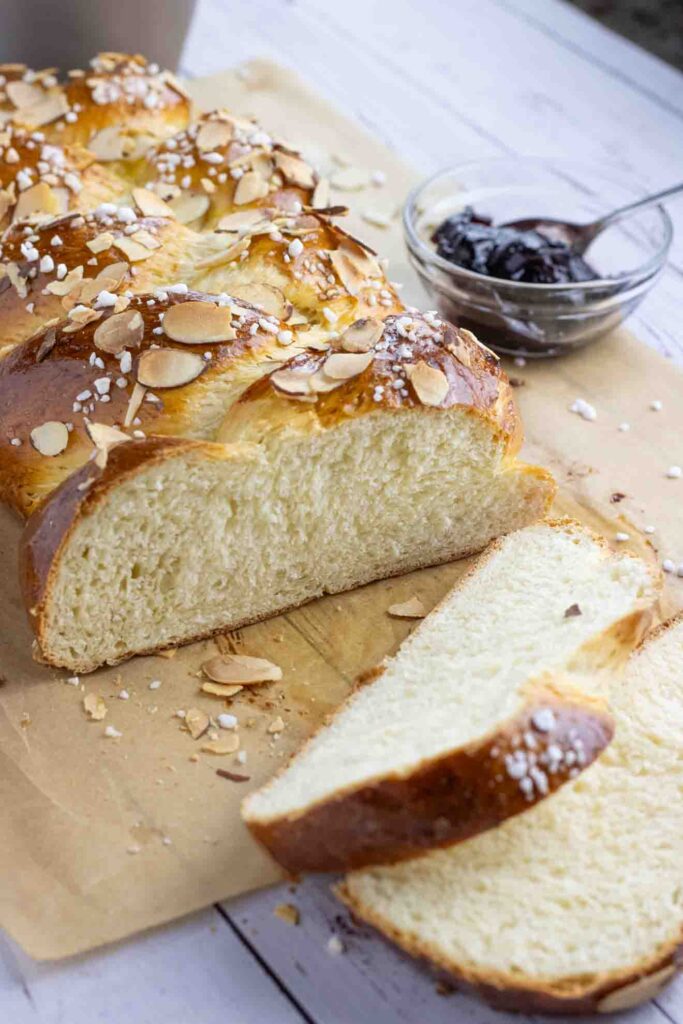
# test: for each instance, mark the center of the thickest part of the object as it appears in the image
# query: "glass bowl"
(518, 318)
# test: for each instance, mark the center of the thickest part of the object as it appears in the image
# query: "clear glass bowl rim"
(422, 251)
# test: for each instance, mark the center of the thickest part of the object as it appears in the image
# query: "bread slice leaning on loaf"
(332, 478)
(576, 906)
(496, 700)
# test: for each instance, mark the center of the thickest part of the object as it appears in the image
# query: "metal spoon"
(580, 236)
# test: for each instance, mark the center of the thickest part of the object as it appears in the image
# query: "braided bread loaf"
(154, 273)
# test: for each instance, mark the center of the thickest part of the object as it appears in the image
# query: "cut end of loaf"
(495, 701)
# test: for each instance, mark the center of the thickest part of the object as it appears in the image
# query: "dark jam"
(473, 242)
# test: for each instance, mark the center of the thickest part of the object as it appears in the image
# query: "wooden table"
(441, 81)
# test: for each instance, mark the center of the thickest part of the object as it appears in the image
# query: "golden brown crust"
(471, 376)
(446, 799)
(58, 381)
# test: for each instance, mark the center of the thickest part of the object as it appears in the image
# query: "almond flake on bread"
(576, 906)
(494, 701)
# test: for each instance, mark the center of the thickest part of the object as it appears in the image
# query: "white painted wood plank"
(626, 60)
(194, 970)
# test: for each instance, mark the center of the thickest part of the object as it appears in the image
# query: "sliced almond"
(104, 436)
(101, 243)
(134, 403)
(410, 609)
(242, 669)
(350, 179)
(113, 275)
(132, 250)
(150, 205)
(276, 726)
(288, 913)
(50, 107)
(17, 279)
(199, 323)
(50, 438)
(346, 270)
(362, 335)
(294, 170)
(250, 187)
(320, 199)
(36, 202)
(292, 382)
(95, 707)
(244, 222)
(197, 722)
(221, 689)
(266, 296)
(24, 94)
(469, 336)
(189, 207)
(70, 282)
(213, 135)
(229, 745)
(122, 330)
(168, 368)
(112, 143)
(320, 383)
(429, 383)
(6, 201)
(344, 365)
(146, 238)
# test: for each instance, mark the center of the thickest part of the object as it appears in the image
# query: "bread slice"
(496, 700)
(576, 906)
(318, 492)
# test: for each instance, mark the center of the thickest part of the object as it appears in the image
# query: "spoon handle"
(639, 204)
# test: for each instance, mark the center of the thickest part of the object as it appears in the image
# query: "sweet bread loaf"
(576, 906)
(496, 700)
(329, 476)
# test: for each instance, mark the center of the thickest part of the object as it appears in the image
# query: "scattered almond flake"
(150, 205)
(37, 201)
(320, 199)
(112, 733)
(133, 251)
(134, 404)
(266, 296)
(250, 187)
(430, 384)
(188, 208)
(287, 912)
(52, 106)
(50, 438)
(466, 335)
(24, 94)
(292, 382)
(198, 323)
(378, 217)
(344, 365)
(362, 335)
(197, 722)
(119, 331)
(241, 669)
(221, 689)
(350, 179)
(276, 726)
(104, 436)
(221, 747)
(95, 707)
(101, 243)
(294, 170)
(244, 222)
(232, 776)
(168, 367)
(213, 135)
(67, 283)
(410, 609)
(335, 946)
(144, 237)
(227, 721)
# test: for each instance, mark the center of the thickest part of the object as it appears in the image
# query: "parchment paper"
(103, 837)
